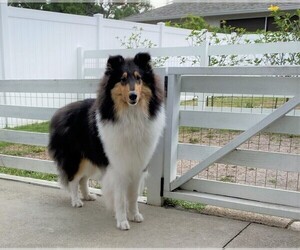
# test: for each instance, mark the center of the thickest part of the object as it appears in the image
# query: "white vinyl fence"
(37, 44)
(91, 63)
(170, 176)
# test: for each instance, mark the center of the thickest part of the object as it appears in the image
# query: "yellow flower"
(273, 8)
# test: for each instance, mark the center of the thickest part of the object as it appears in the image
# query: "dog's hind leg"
(73, 187)
(84, 188)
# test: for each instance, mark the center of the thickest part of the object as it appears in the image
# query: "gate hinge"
(162, 181)
(166, 86)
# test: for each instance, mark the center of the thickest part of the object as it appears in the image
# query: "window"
(250, 24)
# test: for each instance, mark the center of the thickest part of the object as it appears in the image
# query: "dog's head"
(130, 79)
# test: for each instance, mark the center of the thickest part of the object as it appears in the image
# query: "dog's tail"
(63, 178)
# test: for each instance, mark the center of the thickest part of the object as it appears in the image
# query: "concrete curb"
(295, 226)
(247, 216)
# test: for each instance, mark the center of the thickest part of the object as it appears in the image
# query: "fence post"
(80, 63)
(80, 70)
(100, 37)
(172, 130)
(4, 43)
(161, 34)
(4, 49)
(154, 181)
(205, 56)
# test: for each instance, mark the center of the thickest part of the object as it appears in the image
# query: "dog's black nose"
(132, 96)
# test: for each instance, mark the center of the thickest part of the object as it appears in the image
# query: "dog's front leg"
(133, 209)
(120, 208)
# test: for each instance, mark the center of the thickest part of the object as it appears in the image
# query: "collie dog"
(114, 135)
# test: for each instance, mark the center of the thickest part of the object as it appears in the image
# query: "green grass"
(238, 102)
(21, 149)
(14, 149)
(184, 129)
(4, 144)
(26, 173)
(193, 102)
(194, 140)
(273, 181)
(245, 102)
(42, 127)
(227, 179)
(194, 206)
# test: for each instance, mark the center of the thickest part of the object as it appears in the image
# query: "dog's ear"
(114, 62)
(143, 60)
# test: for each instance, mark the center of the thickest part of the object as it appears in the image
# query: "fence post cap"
(98, 15)
(161, 24)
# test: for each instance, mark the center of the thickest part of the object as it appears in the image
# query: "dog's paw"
(123, 225)
(77, 203)
(136, 218)
(90, 197)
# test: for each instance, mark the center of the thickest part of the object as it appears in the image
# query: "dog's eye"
(124, 77)
(137, 75)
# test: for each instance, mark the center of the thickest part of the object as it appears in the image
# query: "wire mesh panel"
(43, 100)
(263, 142)
(18, 107)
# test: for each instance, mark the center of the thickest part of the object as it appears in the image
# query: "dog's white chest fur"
(130, 142)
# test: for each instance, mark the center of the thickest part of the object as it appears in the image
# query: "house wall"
(213, 21)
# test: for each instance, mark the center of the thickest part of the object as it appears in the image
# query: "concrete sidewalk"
(35, 216)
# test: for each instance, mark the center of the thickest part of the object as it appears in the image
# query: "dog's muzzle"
(132, 98)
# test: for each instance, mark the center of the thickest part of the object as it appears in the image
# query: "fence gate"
(232, 138)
